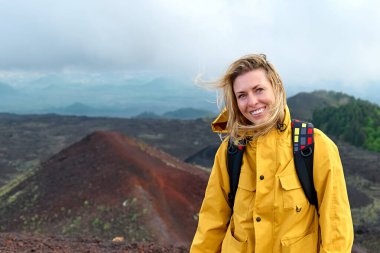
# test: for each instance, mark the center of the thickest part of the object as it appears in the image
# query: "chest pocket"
(245, 194)
(293, 194)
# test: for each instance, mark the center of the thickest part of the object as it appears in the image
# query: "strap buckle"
(307, 152)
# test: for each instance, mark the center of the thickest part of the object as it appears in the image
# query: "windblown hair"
(238, 127)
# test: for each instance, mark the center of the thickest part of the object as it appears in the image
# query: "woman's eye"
(241, 96)
(259, 90)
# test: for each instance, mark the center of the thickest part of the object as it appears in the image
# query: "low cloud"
(308, 42)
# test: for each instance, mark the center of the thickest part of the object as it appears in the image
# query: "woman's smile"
(257, 111)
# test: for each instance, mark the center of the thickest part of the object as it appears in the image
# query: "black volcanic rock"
(204, 157)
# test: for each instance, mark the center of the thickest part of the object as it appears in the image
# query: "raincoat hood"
(219, 125)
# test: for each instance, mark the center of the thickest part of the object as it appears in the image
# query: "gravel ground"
(23, 243)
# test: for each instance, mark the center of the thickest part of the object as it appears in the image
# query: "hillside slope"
(108, 185)
(357, 123)
(303, 104)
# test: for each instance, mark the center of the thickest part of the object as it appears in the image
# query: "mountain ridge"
(303, 104)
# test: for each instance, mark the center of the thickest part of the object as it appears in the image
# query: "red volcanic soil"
(12, 243)
(108, 171)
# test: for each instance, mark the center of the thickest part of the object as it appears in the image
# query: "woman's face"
(254, 95)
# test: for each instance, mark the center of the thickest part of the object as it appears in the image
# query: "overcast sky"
(310, 42)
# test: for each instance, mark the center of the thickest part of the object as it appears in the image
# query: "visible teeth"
(257, 111)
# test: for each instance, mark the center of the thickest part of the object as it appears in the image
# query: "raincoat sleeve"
(215, 212)
(335, 220)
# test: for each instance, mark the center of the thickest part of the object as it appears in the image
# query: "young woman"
(271, 212)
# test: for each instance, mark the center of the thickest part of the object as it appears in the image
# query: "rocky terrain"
(108, 185)
(23, 243)
(28, 140)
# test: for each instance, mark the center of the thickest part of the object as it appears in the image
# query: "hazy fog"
(315, 45)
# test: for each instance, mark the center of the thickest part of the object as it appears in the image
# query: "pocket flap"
(299, 244)
(290, 182)
(247, 181)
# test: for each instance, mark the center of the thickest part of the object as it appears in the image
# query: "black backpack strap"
(234, 162)
(303, 148)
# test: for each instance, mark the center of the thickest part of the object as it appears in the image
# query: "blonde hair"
(238, 127)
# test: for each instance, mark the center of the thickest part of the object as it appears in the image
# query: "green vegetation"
(107, 222)
(101, 221)
(357, 122)
(6, 197)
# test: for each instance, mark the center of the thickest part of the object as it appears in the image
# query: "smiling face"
(254, 95)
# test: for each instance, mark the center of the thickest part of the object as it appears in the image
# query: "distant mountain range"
(302, 107)
(120, 98)
(183, 113)
(117, 95)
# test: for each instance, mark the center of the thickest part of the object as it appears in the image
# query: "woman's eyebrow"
(243, 91)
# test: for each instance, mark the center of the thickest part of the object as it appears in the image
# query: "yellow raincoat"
(271, 212)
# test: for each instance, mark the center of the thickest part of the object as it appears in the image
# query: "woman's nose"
(252, 100)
